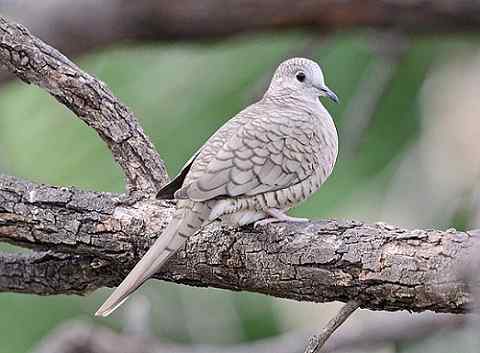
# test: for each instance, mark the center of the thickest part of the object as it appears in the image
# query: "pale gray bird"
(267, 159)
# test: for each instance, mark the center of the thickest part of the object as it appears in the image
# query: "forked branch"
(35, 62)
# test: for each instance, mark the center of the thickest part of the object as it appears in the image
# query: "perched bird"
(267, 159)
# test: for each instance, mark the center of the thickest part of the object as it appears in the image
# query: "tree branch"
(77, 337)
(114, 20)
(318, 341)
(102, 237)
(76, 27)
(33, 61)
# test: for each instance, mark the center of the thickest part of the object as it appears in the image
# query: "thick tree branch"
(33, 61)
(102, 237)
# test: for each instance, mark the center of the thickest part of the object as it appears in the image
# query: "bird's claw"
(279, 217)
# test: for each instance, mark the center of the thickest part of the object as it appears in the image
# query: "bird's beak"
(332, 95)
(327, 92)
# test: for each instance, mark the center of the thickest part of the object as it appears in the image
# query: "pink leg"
(277, 215)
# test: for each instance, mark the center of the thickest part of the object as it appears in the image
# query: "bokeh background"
(409, 130)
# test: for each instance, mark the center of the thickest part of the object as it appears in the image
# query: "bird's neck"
(295, 100)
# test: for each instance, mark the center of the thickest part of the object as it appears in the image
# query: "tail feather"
(186, 222)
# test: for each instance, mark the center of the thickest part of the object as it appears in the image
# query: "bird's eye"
(300, 76)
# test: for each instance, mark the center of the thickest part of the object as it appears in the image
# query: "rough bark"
(34, 62)
(100, 238)
(93, 239)
(76, 27)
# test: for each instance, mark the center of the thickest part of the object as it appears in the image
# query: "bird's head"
(300, 77)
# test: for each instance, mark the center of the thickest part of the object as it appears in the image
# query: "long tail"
(186, 221)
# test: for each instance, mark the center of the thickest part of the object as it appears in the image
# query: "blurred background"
(408, 124)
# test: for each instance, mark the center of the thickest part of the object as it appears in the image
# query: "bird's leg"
(277, 215)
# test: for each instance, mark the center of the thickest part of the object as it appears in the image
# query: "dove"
(265, 160)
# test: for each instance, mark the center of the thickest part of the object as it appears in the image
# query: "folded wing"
(260, 157)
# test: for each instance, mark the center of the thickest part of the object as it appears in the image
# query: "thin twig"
(378, 75)
(317, 341)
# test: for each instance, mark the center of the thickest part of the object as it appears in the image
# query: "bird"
(267, 159)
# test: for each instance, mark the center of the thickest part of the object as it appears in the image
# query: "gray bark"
(94, 239)
(90, 240)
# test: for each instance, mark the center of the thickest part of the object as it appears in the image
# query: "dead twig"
(317, 341)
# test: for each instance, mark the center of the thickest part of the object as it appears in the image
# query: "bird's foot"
(277, 215)
(264, 222)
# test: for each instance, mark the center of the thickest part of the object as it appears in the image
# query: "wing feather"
(259, 157)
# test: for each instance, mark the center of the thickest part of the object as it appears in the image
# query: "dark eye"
(300, 76)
